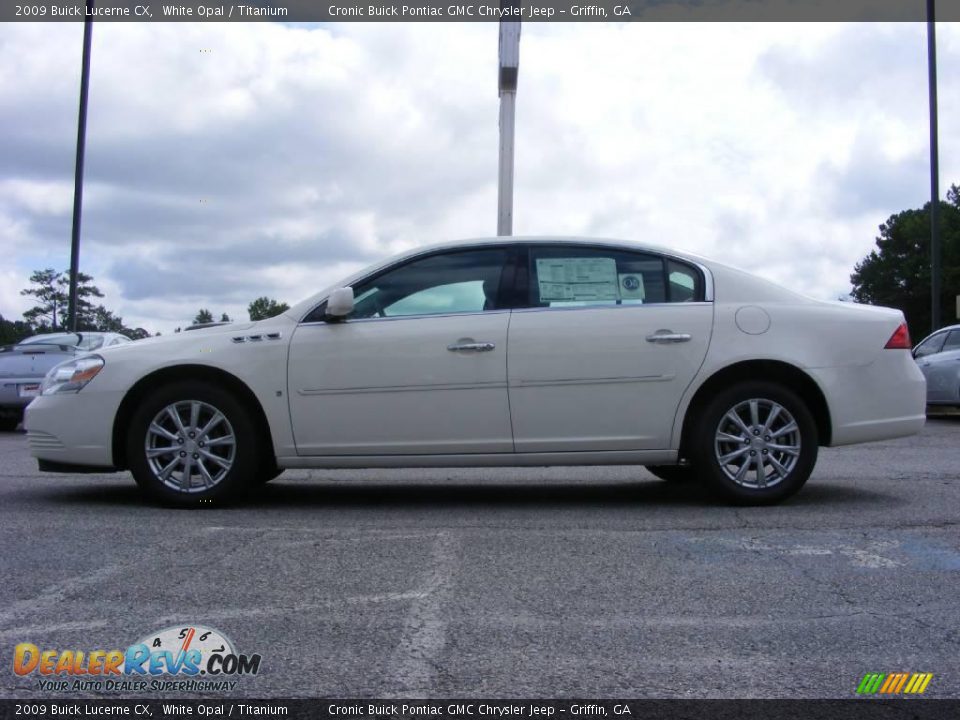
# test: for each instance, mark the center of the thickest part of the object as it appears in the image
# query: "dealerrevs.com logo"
(193, 658)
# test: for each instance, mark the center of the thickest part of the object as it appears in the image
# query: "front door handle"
(668, 336)
(467, 345)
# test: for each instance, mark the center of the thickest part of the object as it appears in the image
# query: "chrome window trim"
(394, 318)
(708, 285)
(567, 308)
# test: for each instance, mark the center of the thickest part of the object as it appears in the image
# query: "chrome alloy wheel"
(757, 444)
(190, 446)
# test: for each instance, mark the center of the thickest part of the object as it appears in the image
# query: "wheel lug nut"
(764, 452)
(201, 444)
(192, 435)
(180, 440)
(752, 453)
(182, 454)
(767, 438)
(197, 455)
(756, 432)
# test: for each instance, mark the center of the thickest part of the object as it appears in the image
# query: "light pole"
(72, 308)
(509, 69)
(934, 169)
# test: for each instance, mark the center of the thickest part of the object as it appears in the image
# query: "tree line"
(897, 271)
(50, 312)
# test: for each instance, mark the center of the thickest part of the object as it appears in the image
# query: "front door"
(419, 367)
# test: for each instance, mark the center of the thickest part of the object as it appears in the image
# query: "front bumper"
(73, 428)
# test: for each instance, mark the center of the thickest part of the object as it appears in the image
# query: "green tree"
(897, 272)
(102, 319)
(204, 316)
(50, 298)
(51, 290)
(136, 333)
(13, 332)
(225, 318)
(264, 307)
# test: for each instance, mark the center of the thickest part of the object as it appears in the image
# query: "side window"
(683, 282)
(455, 282)
(583, 276)
(930, 345)
(953, 341)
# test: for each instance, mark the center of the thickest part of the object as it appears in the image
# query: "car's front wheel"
(755, 443)
(192, 444)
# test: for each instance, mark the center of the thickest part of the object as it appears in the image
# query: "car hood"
(177, 342)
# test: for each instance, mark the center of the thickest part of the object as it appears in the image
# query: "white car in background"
(24, 365)
(938, 356)
(497, 352)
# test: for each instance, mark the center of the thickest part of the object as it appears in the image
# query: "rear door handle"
(668, 336)
(471, 346)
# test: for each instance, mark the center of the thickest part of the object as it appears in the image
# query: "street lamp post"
(509, 70)
(72, 307)
(935, 319)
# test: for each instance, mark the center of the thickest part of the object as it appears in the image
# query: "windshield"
(89, 342)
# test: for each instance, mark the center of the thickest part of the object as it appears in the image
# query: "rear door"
(604, 349)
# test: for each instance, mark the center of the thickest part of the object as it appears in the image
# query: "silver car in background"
(938, 356)
(24, 365)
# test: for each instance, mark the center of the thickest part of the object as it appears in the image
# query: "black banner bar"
(472, 709)
(474, 11)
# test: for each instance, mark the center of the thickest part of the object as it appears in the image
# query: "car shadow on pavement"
(642, 492)
(299, 493)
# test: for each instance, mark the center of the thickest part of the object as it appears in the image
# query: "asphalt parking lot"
(597, 582)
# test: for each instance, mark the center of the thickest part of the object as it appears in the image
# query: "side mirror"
(340, 303)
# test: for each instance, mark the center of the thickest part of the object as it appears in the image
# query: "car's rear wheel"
(192, 444)
(673, 473)
(755, 443)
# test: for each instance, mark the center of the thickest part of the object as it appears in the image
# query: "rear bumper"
(885, 399)
(10, 400)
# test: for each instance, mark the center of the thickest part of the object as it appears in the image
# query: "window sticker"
(631, 286)
(577, 279)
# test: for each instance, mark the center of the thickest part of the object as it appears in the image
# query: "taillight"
(900, 340)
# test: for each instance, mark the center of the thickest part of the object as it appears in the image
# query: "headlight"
(72, 375)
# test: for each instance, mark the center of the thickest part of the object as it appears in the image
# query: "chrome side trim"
(591, 381)
(403, 388)
(256, 338)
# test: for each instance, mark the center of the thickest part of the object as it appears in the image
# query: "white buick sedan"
(506, 351)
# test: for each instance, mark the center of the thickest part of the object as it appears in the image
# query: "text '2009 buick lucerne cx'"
(497, 352)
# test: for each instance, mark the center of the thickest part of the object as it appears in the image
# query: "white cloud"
(227, 161)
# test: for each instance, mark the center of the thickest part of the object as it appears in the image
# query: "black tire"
(8, 423)
(242, 457)
(673, 473)
(775, 485)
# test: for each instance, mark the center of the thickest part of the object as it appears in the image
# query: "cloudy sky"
(228, 161)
